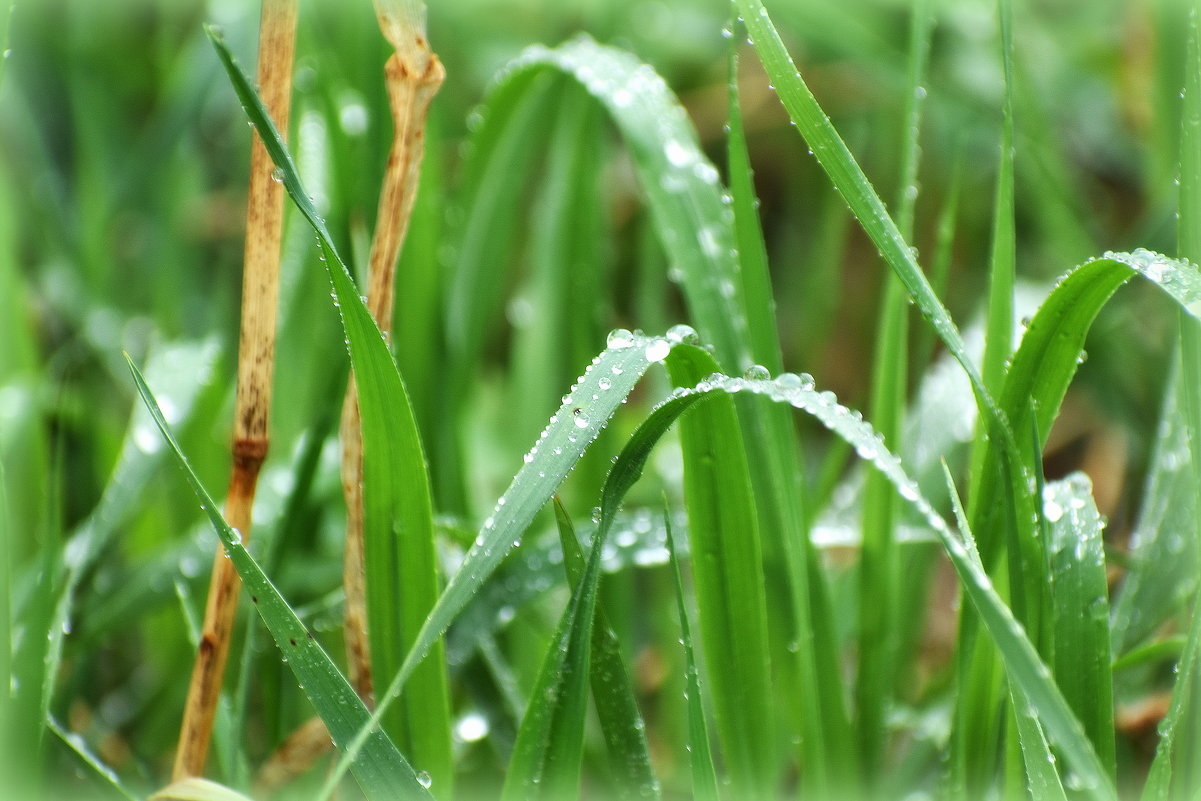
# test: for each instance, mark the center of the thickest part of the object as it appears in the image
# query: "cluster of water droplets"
(583, 414)
(1180, 278)
(799, 391)
(1075, 523)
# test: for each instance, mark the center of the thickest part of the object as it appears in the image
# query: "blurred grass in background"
(121, 204)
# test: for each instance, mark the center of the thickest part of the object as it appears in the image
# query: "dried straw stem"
(413, 76)
(256, 357)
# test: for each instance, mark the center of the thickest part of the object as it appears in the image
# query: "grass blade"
(381, 770)
(1080, 609)
(550, 743)
(397, 508)
(704, 775)
(726, 559)
(585, 411)
(1020, 658)
(1184, 708)
(616, 706)
(771, 442)
(848, 178)
(879, 614)
(682, 186)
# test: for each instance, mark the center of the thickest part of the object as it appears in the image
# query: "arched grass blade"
(381, 770)
(682, 186)
(400, 562)
(1080, 609)
(1022, 663)
(616, 707)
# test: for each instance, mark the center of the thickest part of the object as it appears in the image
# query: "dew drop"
(682, 334)
(423, 778)
(277, 175)
(657, 350)
(620, 338)
(580, 418)
(757, 372)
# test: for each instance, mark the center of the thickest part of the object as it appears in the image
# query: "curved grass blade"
(1080, 609)
(1022, 663)
(1047, 358)
(704, 775)
(399, 557)
(683, 188)
(728, 577)
(381, 770)
(616, 707)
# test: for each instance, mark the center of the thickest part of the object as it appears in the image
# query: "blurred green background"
(122, 193)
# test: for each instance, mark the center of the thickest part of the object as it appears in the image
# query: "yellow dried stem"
(413, 75)
(293, 758)
(256, 357)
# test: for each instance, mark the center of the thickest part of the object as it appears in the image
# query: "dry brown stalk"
(294, 756)
(256, 358)
(413, 75)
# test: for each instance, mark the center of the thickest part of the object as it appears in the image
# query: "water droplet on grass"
(620, 338)
(657, 350)
(757, 372)
(682, 334)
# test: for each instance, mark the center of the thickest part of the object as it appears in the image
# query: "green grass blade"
(848, 178)
(998, 341)
(1040, 777)
(704, 775)
(1046, 360)
(381, 770)
(77, 744)
(1180, 774)
(585, 411)
(978, 714)
(550, 744)
(1163, 561)
(771, 438)
(1021, 659)
(682, 186)
(728, 576)
(398, 530)
(1080, 609)
(616, 706)
(879, 613)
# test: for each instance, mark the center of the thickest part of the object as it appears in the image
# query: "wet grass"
(610, 443)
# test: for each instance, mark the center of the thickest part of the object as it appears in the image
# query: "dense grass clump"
(548, 430)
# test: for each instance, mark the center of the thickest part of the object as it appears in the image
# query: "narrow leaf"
(381, 770)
